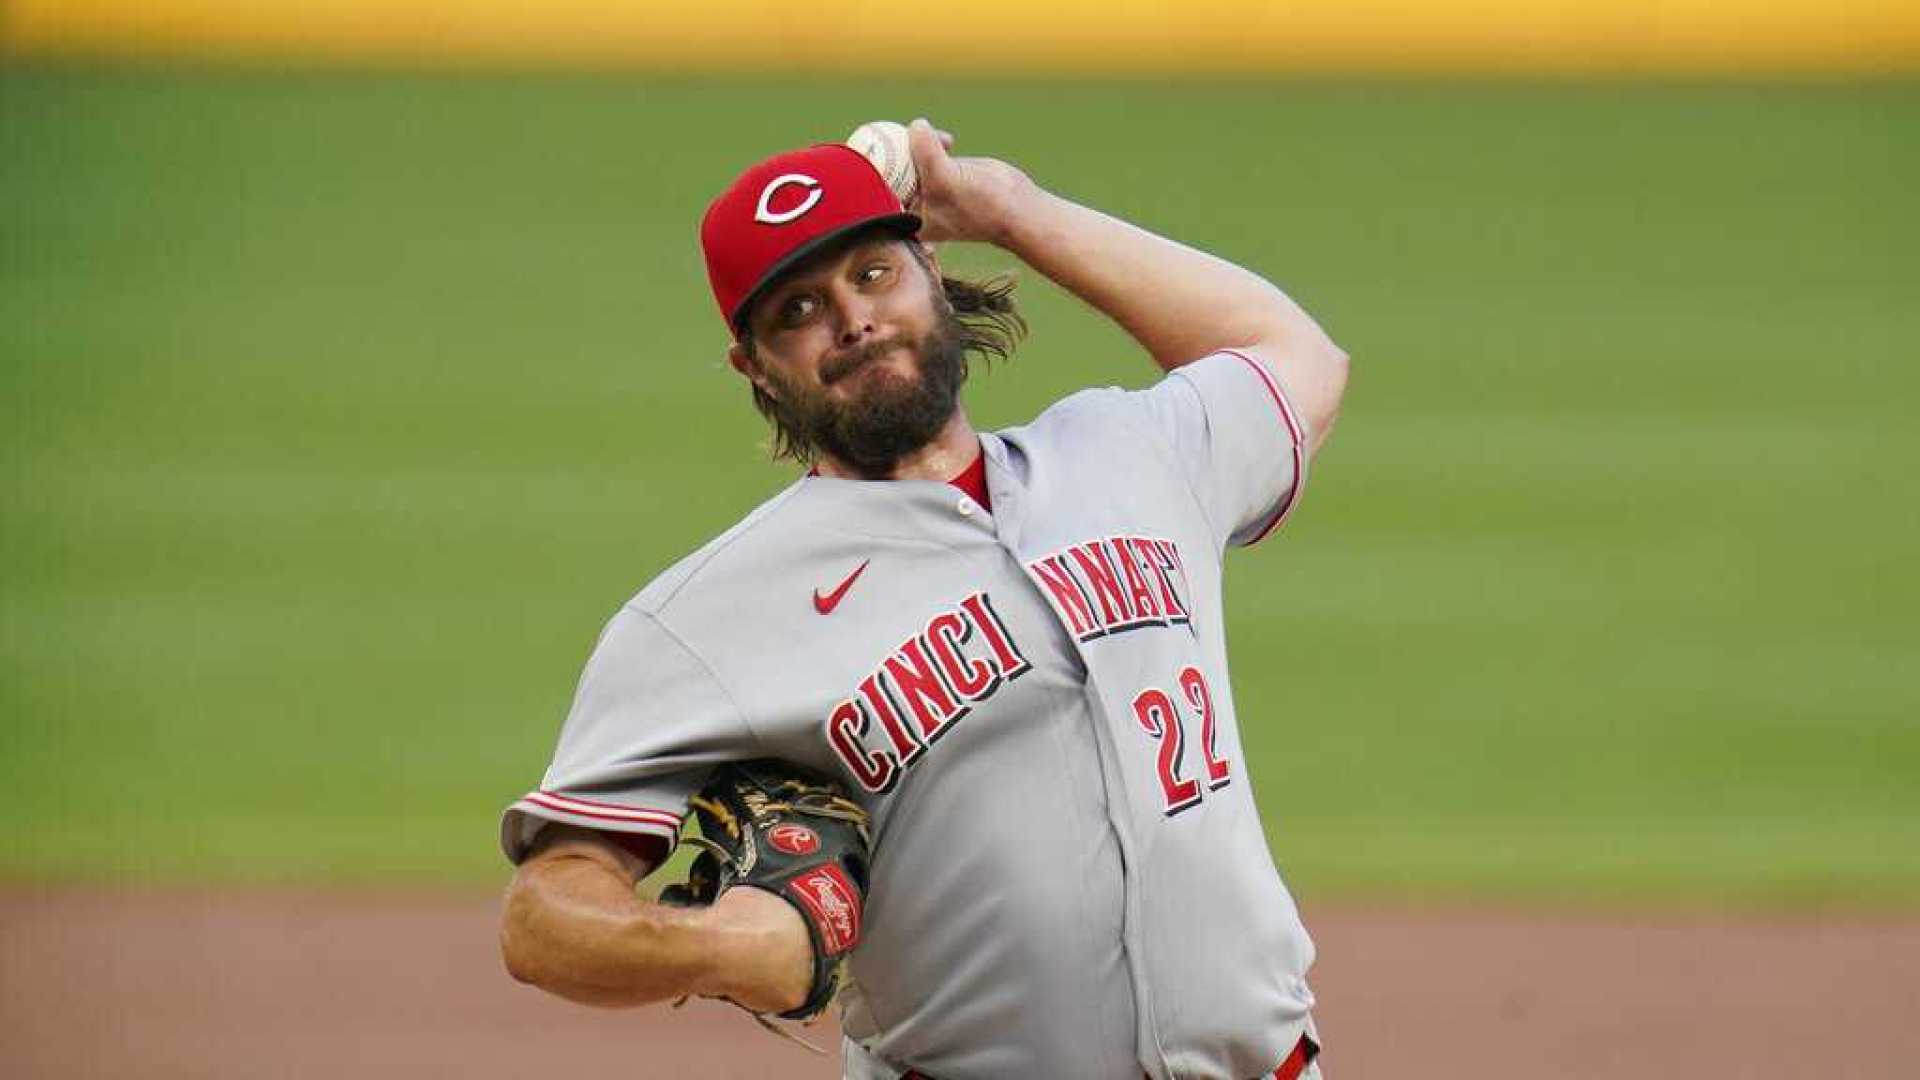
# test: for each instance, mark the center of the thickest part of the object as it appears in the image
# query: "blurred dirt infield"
(311, 985)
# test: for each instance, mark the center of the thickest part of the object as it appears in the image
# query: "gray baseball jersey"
(1070, 878)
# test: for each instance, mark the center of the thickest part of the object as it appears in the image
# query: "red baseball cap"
(785, 208)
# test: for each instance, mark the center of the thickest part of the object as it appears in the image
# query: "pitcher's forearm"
(1178, 302)
(574, 927)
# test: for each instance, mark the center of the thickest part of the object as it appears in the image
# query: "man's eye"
(874, 273)
(796, 309)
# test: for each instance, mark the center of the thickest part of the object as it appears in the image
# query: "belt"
(1303, 1054)
(1297, 1061)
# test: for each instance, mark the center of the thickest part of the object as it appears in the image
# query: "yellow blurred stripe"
(1520, 36)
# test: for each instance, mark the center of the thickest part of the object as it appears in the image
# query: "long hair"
(981, 315)
(990, 327)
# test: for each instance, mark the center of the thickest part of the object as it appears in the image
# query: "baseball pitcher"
(1002, 651)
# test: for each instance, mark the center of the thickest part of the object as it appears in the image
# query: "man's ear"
(928, 253)
(930, 259)
(744, 363)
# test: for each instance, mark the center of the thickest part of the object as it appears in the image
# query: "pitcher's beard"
(896, 416)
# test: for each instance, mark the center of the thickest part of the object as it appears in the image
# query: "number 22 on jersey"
(1166, 723)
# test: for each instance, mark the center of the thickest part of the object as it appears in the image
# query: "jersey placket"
(1010, 501)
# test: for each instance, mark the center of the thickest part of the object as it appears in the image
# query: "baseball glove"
(793, 832)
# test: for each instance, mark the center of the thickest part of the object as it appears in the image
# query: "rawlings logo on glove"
(832, 904)
(794, 839)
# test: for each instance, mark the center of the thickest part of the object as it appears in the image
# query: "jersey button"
(965, 506)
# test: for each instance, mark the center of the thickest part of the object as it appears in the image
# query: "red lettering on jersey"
(932, 680)
(1158, 718)
(1139, 595)
(920, 687)
(1194, 686)
(1012, 663)
(1067, 597)
(904, 743)
(1173, 552)
(1121, 572)
(1167, 557)
(875, 770)
(1098, 571)
(971, 679)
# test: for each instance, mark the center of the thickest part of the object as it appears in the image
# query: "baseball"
(884, 143)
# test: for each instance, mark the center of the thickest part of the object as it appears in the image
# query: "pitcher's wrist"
(758, 951)
(1020, 224)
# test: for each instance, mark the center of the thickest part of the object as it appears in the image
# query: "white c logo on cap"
(763, 213)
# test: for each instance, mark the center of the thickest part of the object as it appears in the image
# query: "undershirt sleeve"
(648, 725)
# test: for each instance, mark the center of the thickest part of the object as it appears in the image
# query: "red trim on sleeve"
(634, 815)
(1296, 434)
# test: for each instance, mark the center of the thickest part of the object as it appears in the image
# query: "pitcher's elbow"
(519, 950)
(1326, 388)
(515, 955)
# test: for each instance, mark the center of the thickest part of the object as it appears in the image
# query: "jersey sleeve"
(648, 724)
(1237, 438)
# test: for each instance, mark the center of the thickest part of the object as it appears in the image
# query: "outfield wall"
(1126, 36)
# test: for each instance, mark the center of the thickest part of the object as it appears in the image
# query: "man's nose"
(854, 313)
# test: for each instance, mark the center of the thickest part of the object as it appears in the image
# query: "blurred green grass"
(337, 413)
